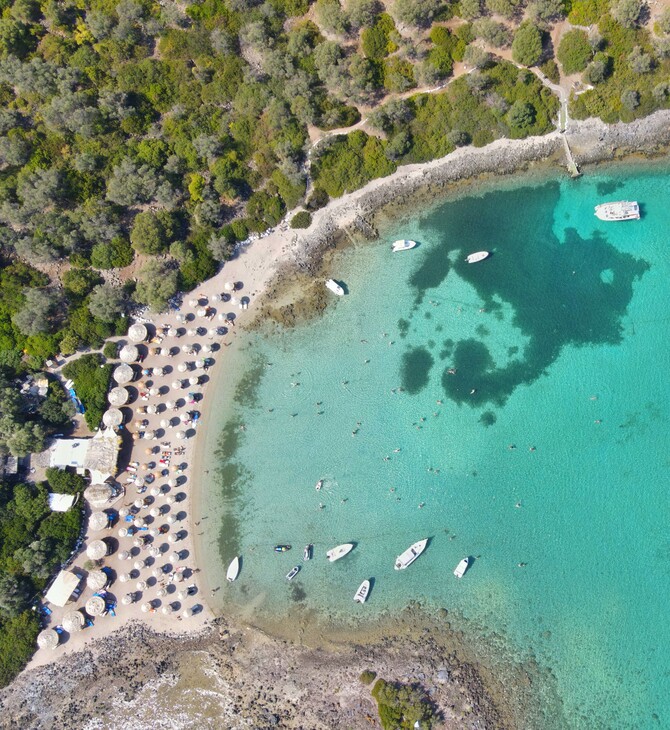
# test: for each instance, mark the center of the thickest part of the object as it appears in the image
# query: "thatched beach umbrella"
(139, 564)
(123, 532)
(154, 551)
(147, 607)
(137, 332)
(123, 373)
(112, 418)
(128, 599)
(167, 609)
(129, 353)
(73, 621)
(187, 612)
(193, 380)
(97, 550)
(180, 434)
(96, 580)
(161, 593)
(124, 577)
(98, 495)
(141, 585)
(98, 521)
(118, 396)
(173, 332)
(171, 519)
(95, 606)
(123, 555)
(48, 639)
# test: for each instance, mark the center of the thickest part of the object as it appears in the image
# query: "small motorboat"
(473, 258)
(462, 567)
(293, 572)
(233, 569)
(282, 548)
(335, 287)
(402, 245)
(307, 552)
(410, 555)
(318, 485)
(361, 595)
(340, 551)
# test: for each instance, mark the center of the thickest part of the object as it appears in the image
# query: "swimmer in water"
(396, 451)
(421, 505)
(518, 505)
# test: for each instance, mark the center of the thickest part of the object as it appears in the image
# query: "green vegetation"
(91, 382)
(110, 350)
(401, 706)
(367, 676)
(33, 543)
(527, 45)
(574, 51)
(302, 219)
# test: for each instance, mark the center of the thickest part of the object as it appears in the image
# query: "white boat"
(340, 551)
(307, 552)
(335, 287)
(402, 246)
(473, 258)
(622, 210)
(462, 568)
(233, 569)
(293, 572)
(410, 555)
(361, 595)
(319, 484)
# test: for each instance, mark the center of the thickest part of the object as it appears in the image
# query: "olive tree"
(156, 284)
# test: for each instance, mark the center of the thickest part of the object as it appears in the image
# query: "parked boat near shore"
(405, 559)
(340, 551)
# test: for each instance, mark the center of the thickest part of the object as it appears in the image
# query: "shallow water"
(558, 346)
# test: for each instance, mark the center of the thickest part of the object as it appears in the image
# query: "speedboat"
(282, 548)
(340, 551)
(307, 552)
(622, 210)
(402, 246)
(410, 555)
(318, 485)
(462, 568)
(233, 569)
(361, 595)
(473, 258)
(293, 572)
(335, 287)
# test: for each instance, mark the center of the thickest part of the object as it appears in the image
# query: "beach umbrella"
(214, 332)
(96, 550)
(165, 423)
(202, 312)
(139, 522)
(95, 606)
(123, 511)
(139, 482)
(129, 353)
(137, 332)
(173, 332)
(141, 585)
(123, 555)
(98, 521)
(187, 612)
(123, 532)
(73, 621)
(154, 551)
(148, 435)
(206, 348)
(221, 317)
(182, 367)
(180, 317)
(182, 595)
(128, 599)
(194, 380)
(178, 576)
(167, 609)
(172, 482)
(154, 512)
(176, 385)
(147, 607)
(123, 373)
(191, 333)
(229, 286)
(171, 519)
(151, 409)
(48, 639)
(112, 418)
(153, 531)
(169, 404)
(124, 577)
(199, 363)
(180, 435)
(172, 538)
(96, 580)
(185, 348)
(161, 593)
(175, 556)
(157, 572)
(170, 499)
(158, 372)
(153, 392)
(139, 564)
(155, 491)
(192, 302)
(184, 418)
(118, 396)
(138, 503)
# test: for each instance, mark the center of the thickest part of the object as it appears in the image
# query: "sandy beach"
(257, 272)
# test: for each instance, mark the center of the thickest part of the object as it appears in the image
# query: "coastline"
(275, 267)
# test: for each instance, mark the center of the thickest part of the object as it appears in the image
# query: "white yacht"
(233, 569)
(293, 572)
(462, 568)
(473, 258)
(361, 595)
(402, 245)
(335, 287)
(307, 552)
(340, 551)
(410, 555)
(622, 210)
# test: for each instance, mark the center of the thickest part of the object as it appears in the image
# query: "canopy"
(97, 550)
(96, 580)
(73, 621)
(137, 333)
(193, 380)
(118, 396)
(123, 555)
(129, 353)
(123, 373)
(98, 521)
(146, 607)
(61, 589)
(60, 502)
(98, 495)
(176, 385)
(173, 332)
(95, 606)
(182, 367)
(47, 639)
(112, 418)
(167, 609)
(187, 613)
(124, 577)
(180, 435)
(127, 599)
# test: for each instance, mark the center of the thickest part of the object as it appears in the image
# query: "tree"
(639, 61)
(477, 57)
(628, 12)
(222, 245)
(148, 234)
(419, 13)
(521, 114)
(546, 10)
(362, 13)
(13, 594)
(630, 99)
(42, 311)
(36, 559)
(131, 184)
(331, 17)
(21, 439)
(79, 282)
(506, 8)
(527, 45)
(470, 9)
(495, 34)
(156, 285)
(595, 72)
(302, 219)
(115, 254)
(107, 302)
(574, 51)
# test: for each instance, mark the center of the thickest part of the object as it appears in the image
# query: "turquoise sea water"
(559, 346)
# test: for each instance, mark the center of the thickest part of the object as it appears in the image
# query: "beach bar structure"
(97, 455)
(62, 588)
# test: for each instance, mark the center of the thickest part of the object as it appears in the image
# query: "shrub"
(110, 350)
(628, 12)
(574, 51)
(91, 382)
(302, 219)
(403, 706)
(367, 676)
(550, 70)
(527, 45)
(114, 254)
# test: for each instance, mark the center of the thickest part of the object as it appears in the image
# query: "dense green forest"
(149, 138)
(34, 542)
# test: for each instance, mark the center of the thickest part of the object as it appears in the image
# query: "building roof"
(98, 454)
(60, 502)
(61, 589)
